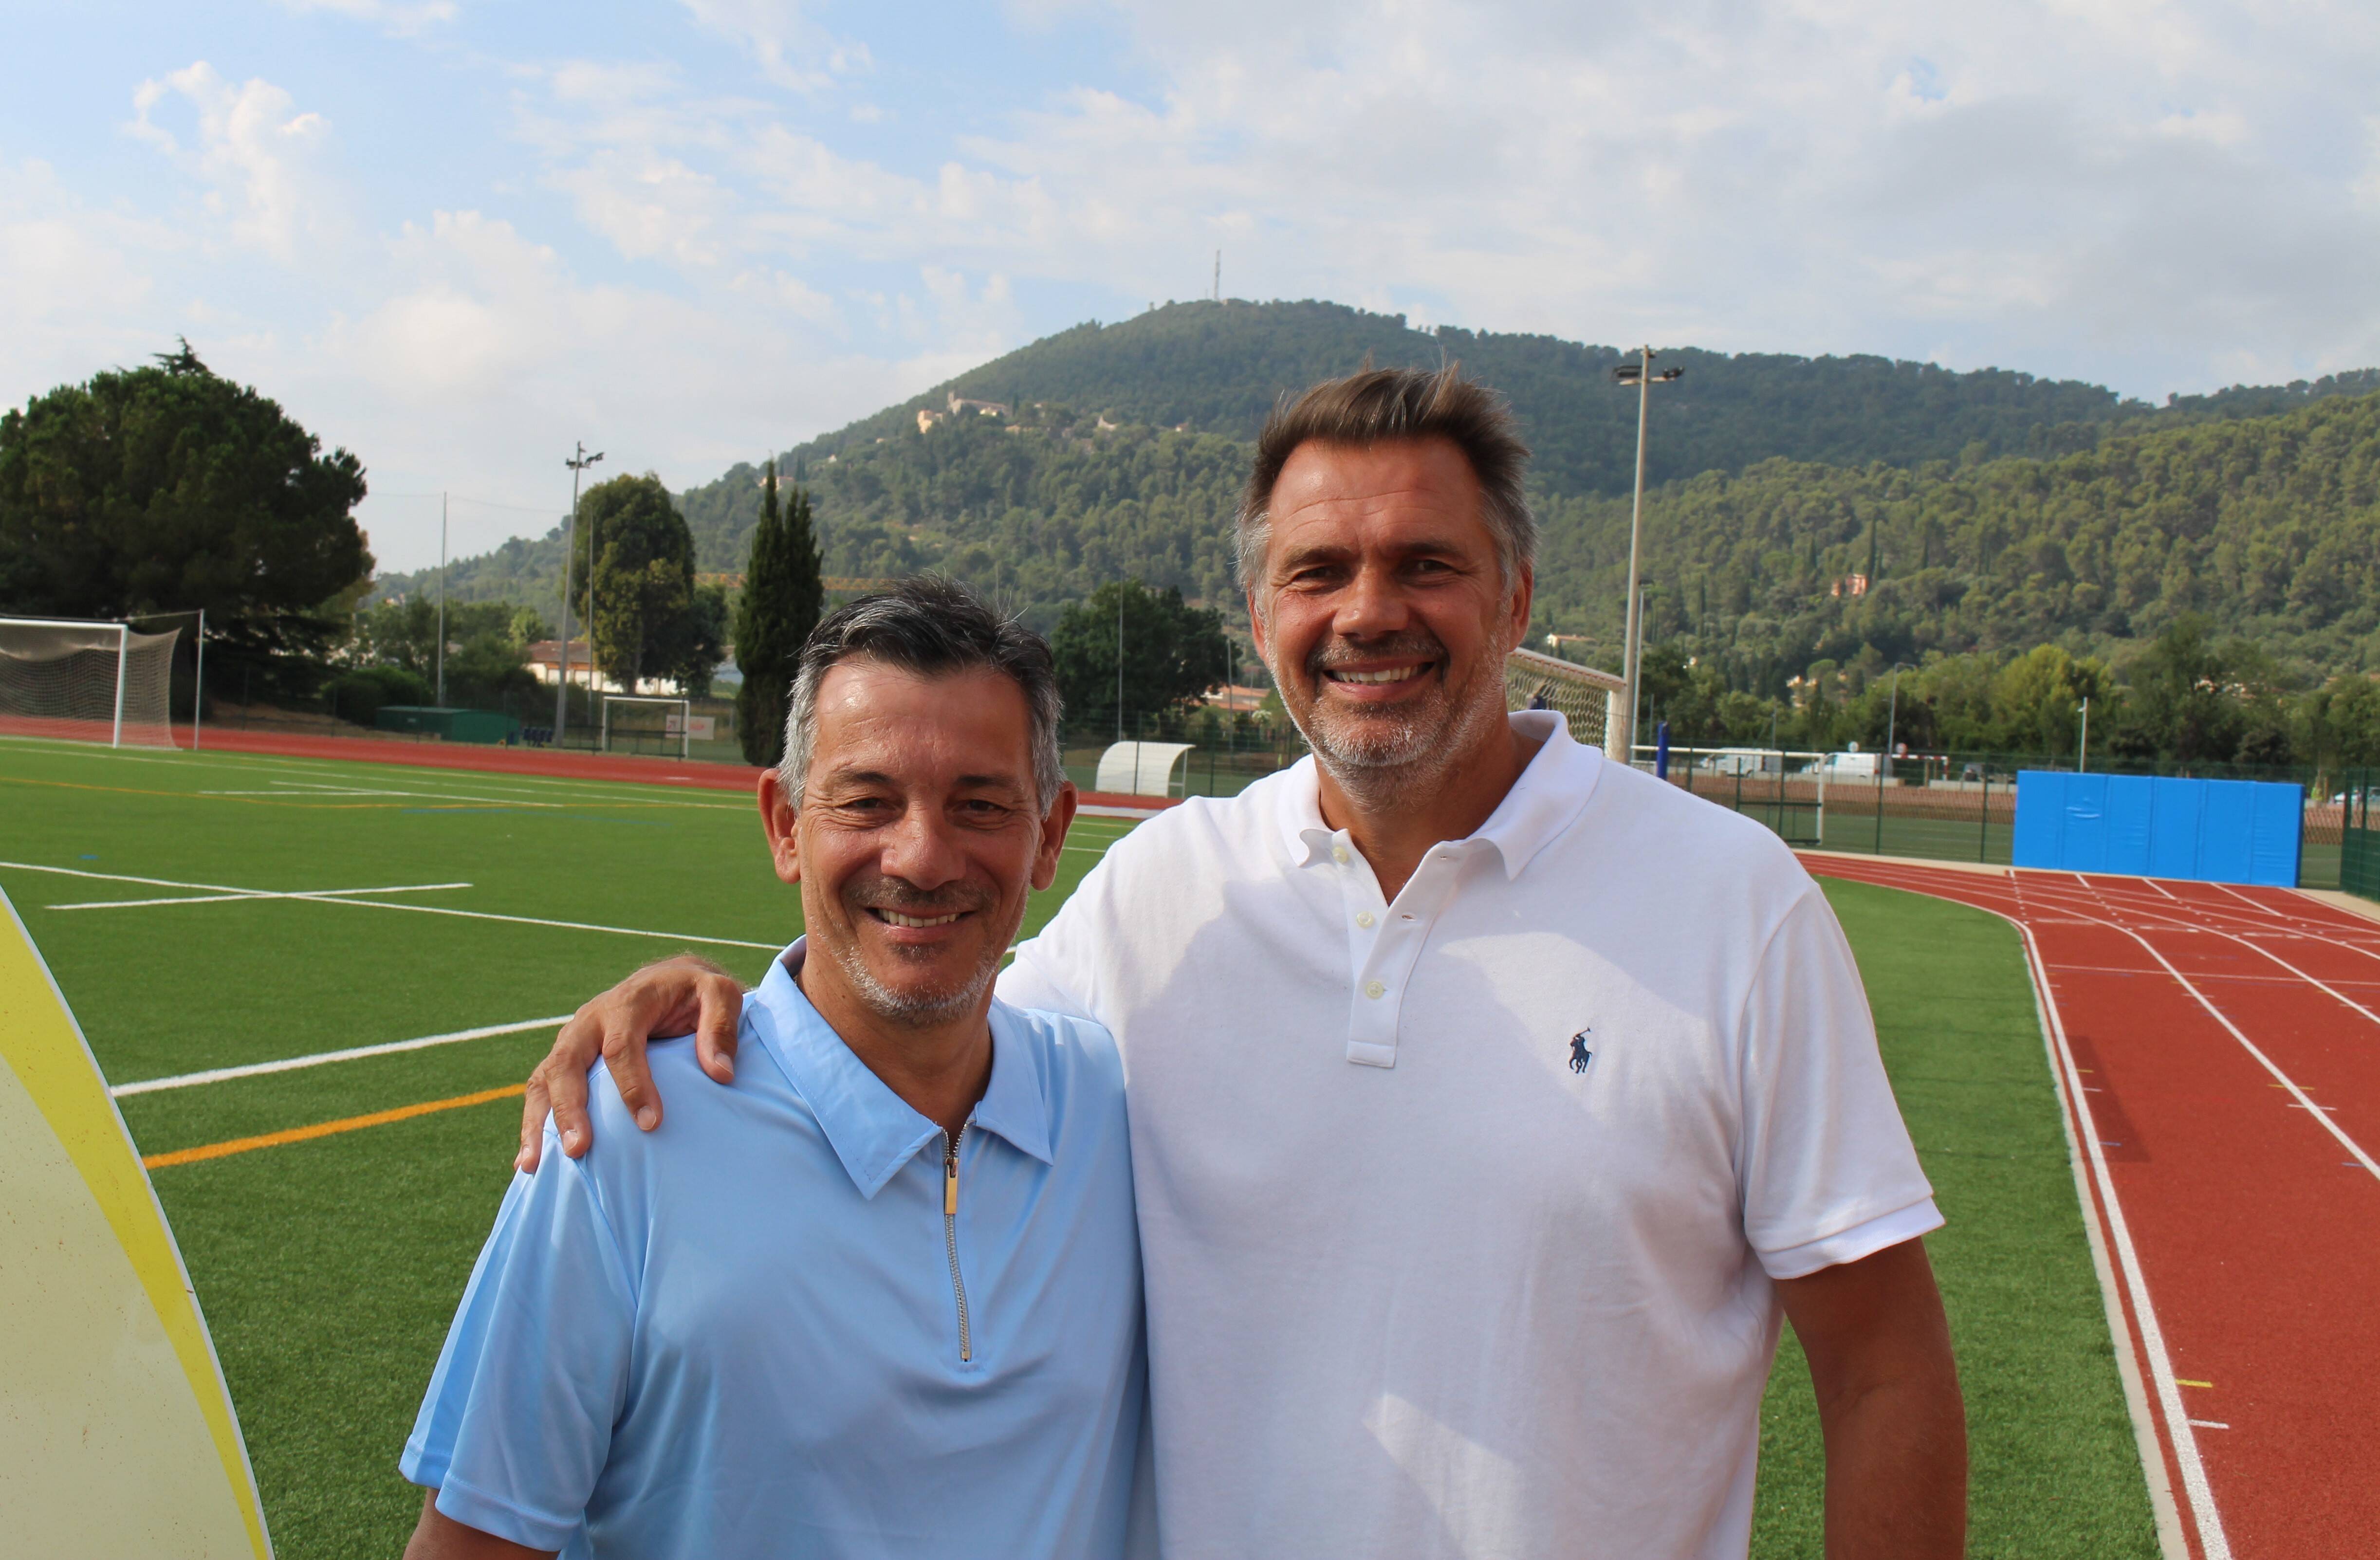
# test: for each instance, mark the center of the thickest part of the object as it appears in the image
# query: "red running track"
(2219, 1053)
(490, 759)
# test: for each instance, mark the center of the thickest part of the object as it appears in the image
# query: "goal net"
(86, 681)
(1583, 696)
(637, 719)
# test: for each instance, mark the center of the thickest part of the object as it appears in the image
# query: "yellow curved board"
(116, 1435)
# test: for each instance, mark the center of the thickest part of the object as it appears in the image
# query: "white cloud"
(259, 158)
(791, 50)
(398, 18)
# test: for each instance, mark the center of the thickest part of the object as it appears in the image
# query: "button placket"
(1386, 965)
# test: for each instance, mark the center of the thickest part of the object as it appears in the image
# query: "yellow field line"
(327, 1129)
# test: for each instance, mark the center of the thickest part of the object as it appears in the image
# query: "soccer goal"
(677, 720)
(1583, 695)
(86, 681)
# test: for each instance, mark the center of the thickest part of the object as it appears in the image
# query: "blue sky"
(454, 235)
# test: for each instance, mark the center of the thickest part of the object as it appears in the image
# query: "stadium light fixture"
(577, 463)
(1640, 374)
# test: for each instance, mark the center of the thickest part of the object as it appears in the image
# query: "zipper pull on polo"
(951, 1178)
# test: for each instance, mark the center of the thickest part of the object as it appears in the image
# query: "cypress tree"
(781, 597)
(764, 647)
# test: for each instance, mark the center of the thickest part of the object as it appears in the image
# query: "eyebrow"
(1324, 552)
(965, 782)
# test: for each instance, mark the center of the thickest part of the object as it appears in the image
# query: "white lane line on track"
(2207, 927)
(2248, 1045)
(2123, 1282)
(2204, 1515)
(230, 890)
(254, 894)
(291, 1064)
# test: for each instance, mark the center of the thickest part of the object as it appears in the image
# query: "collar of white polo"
(1552, 791)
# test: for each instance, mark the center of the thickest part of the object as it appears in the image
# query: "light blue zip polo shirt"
(755, 1332)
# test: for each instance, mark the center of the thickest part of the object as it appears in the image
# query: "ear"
(1054, 824)
(1524, 595)
(1259, 629)
(780, 823)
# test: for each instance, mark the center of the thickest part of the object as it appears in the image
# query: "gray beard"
(915, 1009)
(1382, 761)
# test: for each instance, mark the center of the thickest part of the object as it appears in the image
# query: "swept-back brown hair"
(1374, 405)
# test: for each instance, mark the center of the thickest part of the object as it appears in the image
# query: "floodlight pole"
(1639, 373)
(578, 462)
(2082, 754)
(198, 681)
(1118, 661)
(441, 601)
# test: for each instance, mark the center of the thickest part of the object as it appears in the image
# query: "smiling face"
(1382, 609)
(917, 839)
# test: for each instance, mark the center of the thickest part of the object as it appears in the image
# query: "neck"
(939, 1069)
(1395, 815)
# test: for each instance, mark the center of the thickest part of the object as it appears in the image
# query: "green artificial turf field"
(328, 1268)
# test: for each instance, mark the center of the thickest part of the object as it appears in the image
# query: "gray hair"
(1376, 406)
(933, 627)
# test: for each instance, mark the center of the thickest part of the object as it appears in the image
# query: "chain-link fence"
(1962, 806)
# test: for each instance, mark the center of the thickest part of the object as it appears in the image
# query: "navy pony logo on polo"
(1579, 1054)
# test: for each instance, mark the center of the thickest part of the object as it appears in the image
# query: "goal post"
(1585, 697)
(683, 722)
(86, 680)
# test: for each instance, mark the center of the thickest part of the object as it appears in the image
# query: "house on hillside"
(960, 405)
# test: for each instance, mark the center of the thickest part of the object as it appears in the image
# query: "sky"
(459, 236)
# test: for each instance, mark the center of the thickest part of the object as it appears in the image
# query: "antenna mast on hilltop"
(1219, 276)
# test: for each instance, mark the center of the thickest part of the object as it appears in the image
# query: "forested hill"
(1216, 367)
(2267, 527)
(2000, 510)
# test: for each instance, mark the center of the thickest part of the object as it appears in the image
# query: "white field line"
(232, 891)
(2209, 1521)
(291, 1064)
(259, 894)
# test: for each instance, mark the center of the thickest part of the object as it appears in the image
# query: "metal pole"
(123, 655)
(2083, 754)
(441, 601)
(576, 463)
(1892, 715)
(1635, 542)
(199, 681)
(1118, 661)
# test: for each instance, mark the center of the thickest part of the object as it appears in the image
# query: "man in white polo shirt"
(1488, 1101)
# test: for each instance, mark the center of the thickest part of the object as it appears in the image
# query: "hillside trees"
(779, 607)
(169, 488)
(1172, 652)
(647, 616)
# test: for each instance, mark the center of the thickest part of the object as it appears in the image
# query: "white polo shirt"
(1459, 1214)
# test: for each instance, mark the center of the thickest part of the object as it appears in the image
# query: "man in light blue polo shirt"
(881, 1295)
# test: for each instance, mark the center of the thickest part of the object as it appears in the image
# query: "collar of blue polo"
(1547, 797)
(874, 1131)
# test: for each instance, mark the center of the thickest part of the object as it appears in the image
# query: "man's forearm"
(439, 1537)
(1897, 1472)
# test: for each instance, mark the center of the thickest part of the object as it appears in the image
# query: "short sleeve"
(1058, 970)
(1824, 1163)
(517, 1425)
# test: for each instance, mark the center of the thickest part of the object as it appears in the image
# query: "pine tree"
(779, 607)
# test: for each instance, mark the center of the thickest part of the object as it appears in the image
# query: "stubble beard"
(914, 1007)
(1386, 757)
